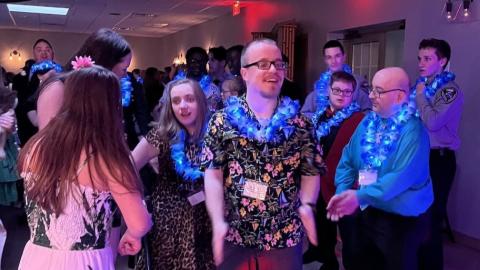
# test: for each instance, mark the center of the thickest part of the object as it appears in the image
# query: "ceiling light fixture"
(37, 9)
(449, 9)
(452, 8)
(160, 25)
(236, 8)
(466, 7)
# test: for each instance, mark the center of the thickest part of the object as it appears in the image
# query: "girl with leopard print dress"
(181, 235)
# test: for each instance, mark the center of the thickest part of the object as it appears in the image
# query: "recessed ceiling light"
(151, 15)
(159, 25)
(37, 9)
(116, 28)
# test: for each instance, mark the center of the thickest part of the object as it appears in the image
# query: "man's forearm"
(309, 189)
(214, 195)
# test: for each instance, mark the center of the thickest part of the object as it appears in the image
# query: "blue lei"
(438, 81)
(322, 129)
(183, 166)
(204, 82)
(431, 89)
(321, 86)
(45, 66)
(249, 128)
(126, 89)
(381, 135)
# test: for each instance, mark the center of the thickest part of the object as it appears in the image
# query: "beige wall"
(423, 19)
(145, 51)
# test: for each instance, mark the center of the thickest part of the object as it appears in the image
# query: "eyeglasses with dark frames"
(265, 65)
(377, 92)
(339, 92)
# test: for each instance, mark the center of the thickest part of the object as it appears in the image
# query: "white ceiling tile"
(87, 16)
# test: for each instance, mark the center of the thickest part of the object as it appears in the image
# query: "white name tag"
(255, 190)
(196, 198)
(367, 177)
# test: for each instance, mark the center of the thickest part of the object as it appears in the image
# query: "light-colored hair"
(168, 125)
(243, 58)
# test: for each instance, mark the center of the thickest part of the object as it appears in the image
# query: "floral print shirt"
(273, 222)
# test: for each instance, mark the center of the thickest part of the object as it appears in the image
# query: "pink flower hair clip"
(82, 62)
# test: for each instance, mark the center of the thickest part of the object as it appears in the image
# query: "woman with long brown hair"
(74, 169)
(181, 235)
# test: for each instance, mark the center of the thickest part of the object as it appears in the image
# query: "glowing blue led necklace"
(183, 166)
(381, 135)
(126, 89)
(431, 89)
(437, 83)
(45, 66)
(248, 127)
(323, 128)
(204, 82)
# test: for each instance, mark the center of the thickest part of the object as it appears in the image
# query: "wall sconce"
(452, 9)
(15, 53)
(179, 60)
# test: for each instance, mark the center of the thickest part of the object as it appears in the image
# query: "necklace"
(438, 81)
(126, 89)
(45, 66)
(183, 166)
(323, 128)
(249, 127)
(204, 82)
(381, 135)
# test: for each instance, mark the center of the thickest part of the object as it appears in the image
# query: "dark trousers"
(443, 166)
(350, 233)
(327, 239)
(240, 258)
(388, 241)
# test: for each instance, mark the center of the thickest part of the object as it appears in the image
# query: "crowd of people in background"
(216, 164)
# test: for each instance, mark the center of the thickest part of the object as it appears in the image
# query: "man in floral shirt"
(262, 168)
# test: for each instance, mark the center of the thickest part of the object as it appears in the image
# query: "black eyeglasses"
(265, 65)
(339, 92)
(377, 93)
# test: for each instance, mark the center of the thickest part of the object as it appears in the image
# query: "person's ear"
(443, 62)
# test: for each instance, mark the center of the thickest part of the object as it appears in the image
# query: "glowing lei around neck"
(183, 166)
(126, 89)
(438, 81)
(45, 66)
(323, 128)
(381, 135)
(321, 86)
(431, 89)
(248, 127)
(204, 82)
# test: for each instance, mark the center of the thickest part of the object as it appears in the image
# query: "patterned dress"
(79, 238)
(181, 234)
